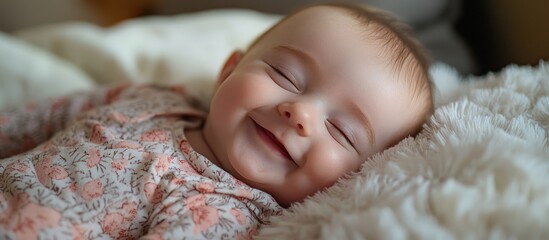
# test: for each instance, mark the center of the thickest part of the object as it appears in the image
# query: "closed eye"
(340, 136)
(288, 83)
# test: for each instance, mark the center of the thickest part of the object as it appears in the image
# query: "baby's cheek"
(258, 87)
(328, 163)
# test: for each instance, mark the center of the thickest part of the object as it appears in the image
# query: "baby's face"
(308, 103)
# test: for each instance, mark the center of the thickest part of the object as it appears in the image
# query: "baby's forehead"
(373, 28)
(393, 38)
(315, 16)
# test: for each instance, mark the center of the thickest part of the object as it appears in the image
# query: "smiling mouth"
(271, 140)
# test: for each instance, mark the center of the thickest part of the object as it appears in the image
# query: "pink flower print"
(119, 117)
(43, 175)
(185, 167)
(43, 169)
(16, 166)
(58, 173)
(33, 219)
(78, 232)
(100, 134)
(244, 193)
(114, 93)
(93, 157)
(128, 145)
(185, 146)
(236, 181)
(195, 201)
(153, 192)
(130, 210)
(204, 217)
(116, 223)
(112, 224)
(239, 216)
(69, 143)
(157, 231)
(73, 187)
(92, 189)
(155, 135)
(29, 219)
(205, 187)
(58, 103)
(178, 181)
(119, 163)
(163, 162)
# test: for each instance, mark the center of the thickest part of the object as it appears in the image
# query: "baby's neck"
(198, 143)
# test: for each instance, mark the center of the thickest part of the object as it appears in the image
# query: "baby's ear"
(230, 65)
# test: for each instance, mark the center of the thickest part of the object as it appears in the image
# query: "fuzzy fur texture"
(479, 170)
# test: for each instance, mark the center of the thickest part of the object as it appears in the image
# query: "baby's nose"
(300, 115)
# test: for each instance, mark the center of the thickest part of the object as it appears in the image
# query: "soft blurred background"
(473, 36)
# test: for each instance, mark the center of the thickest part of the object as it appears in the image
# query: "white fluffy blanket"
(479, 170)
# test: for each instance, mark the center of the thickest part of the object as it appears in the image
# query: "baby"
(309, 101)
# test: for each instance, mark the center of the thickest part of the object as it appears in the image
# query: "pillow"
(188, 48)
(30, 74)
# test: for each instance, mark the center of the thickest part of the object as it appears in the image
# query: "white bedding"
(479, 170)
(188, 48)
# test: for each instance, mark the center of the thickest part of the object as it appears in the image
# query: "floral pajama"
(115, 163)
